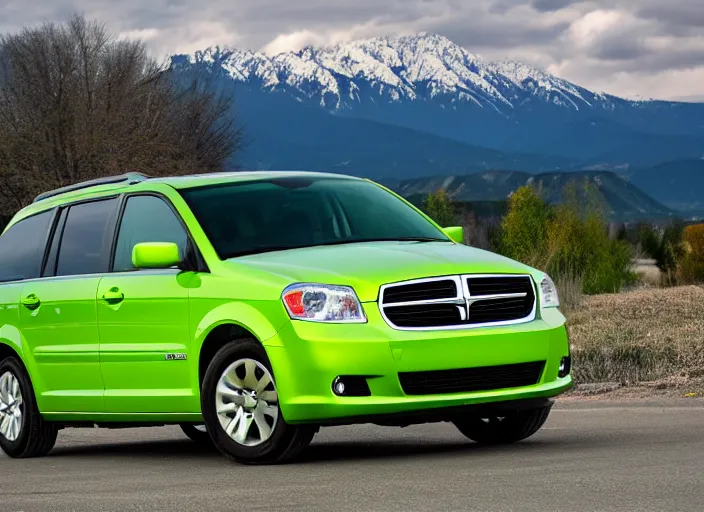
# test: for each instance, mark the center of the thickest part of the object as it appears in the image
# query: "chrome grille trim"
(463, 299)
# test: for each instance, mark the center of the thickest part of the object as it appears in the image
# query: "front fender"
(263, 321)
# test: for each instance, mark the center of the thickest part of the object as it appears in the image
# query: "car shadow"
(350, 450)
(146, 449)
(326, 451)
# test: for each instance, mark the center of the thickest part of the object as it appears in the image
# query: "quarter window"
(147, 219)
(50, 267)
(22, 248)
(85, 243)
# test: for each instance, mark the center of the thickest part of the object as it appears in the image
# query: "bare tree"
(78, 103)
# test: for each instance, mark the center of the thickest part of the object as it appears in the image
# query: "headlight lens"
(548, 293)
(323, 303)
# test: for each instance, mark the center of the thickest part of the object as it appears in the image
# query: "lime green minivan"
(253, 308)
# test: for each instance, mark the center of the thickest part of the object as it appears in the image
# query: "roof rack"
(131, 177)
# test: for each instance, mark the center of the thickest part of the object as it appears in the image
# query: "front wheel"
(240, 405)
(511, 428)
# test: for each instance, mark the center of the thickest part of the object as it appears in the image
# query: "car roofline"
(185, 181)
(222, 178)
(127, 178)
(119, 183)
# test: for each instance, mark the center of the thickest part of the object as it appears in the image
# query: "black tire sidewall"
(515, 428)
(16, 448)
(269, 450)
(196, 435)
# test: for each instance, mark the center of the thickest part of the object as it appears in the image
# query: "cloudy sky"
(634, 48)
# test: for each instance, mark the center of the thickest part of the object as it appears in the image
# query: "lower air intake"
(467, 380)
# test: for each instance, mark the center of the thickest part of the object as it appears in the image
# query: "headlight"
(548, 293)
(323, 303)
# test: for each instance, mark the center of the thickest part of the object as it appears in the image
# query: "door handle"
(113, 296)
(31, 302)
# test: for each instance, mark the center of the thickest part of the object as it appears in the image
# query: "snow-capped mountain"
(411, 68)
(423, 105)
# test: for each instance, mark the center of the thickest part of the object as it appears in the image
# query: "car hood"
(366, 266)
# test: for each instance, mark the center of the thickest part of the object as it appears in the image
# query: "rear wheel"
(511, 428)
(197, 433)
(240, 404)
(23, 431)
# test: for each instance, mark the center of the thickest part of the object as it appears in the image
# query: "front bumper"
(306, 358)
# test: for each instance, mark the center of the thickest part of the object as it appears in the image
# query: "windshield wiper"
(262, 250)
(420, 239)
(402, 239)
(390, 239)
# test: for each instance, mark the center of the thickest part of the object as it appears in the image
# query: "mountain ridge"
(622, 200)
(410, 67)
(677, 184)
(397, 108)
(430, 84)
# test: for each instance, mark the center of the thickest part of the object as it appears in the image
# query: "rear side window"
(22, 248)
(146, 219)
(86, 238)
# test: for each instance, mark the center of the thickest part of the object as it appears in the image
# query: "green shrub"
(569, 241)
(439, 207)
(690, 267)
(664, 246)
(524, 228)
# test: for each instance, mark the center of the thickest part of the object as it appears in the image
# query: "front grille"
(467, 380)
(425, 315)
(458, 302)
(429, 290)
(497, 285)
(499, 310)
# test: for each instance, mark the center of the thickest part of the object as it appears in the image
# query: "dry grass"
(640, 336)
(649, 275)
(569, 289)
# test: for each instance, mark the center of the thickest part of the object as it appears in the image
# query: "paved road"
(589, 457)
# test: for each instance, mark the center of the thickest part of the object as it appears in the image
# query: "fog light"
(565, 367)
(339, 387)
(351, 385)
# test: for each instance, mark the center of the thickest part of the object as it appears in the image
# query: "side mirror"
(155, 255)
(456, 233)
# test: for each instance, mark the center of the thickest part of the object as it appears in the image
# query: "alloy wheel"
(11, 407)
(246, 402)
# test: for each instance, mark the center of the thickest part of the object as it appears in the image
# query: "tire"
(36, 437)
(196, 433)
(508, 429)
(275, 442)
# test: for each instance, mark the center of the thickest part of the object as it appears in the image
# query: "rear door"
(22, 249)
(143, 317)
(58, 312)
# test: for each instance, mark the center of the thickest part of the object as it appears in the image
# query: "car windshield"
(293, 212)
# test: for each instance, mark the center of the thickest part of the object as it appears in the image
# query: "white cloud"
(292, 42)
(626, 47)
(146, 34)
(585, 30)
